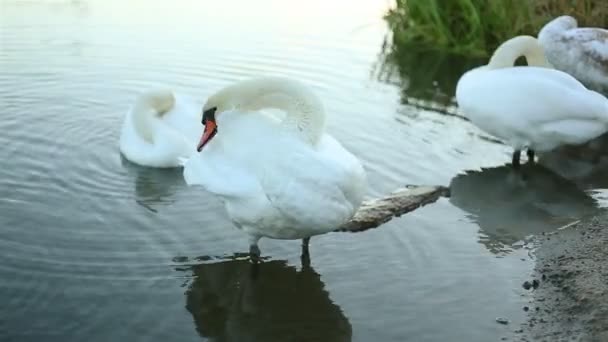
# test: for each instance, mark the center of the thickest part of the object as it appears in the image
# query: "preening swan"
(160, 130)
(581, 52)
(530, 107)
(279, 177)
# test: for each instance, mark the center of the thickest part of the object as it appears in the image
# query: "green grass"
(431, 43)
(477, 27)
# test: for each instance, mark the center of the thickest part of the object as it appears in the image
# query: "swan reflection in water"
(509, 205)
(585, 164)
(154, 186)
(280, 304)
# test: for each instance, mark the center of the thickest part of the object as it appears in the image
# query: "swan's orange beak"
(208, 134)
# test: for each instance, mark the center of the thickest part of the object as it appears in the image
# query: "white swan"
(279, 178)
(160, 130)
(530, 107)
(581, 52)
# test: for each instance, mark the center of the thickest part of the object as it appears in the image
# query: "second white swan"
(530, 107)
(160, 130)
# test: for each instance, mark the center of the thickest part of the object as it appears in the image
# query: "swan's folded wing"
(592, 41)
(529, 95)
(321, 193)
(220, 176)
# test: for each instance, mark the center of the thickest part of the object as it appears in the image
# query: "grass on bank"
(477, 27)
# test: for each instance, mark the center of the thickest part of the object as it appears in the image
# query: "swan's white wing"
(220, 175)
(230, 165)
(524, 96)
(316, 191)
(592, 41)
(274, 182)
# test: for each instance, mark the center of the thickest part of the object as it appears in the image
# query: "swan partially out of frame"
(579, 51)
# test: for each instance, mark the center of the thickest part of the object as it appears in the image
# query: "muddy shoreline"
(570, 285)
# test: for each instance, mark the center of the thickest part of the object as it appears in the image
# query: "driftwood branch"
(377, 211)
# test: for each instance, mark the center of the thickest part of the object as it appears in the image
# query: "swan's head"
(210, 126)
(221, 101)
(564, 22)
(556, 27)
(304, 110)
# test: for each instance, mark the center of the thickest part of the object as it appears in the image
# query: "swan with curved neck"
(305, 115)
(278, 178)
(160, 130)
(532, 107)
(151, 105)
(581, 52)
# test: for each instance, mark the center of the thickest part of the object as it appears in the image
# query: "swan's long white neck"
(149, 106)
(305, 114)
(508, 52)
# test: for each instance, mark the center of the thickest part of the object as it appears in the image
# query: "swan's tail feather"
(160, 101)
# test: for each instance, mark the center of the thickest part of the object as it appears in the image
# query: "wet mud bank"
(570, 285)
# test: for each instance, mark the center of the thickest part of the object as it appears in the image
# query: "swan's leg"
(305, 257)
(530, 154)
(254, 250)
(515, 160)
(305, 244)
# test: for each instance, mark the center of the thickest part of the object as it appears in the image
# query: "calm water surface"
(94, 248)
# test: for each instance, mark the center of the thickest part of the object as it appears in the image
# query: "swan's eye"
(209, 114)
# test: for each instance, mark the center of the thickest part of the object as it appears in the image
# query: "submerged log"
(375, 212)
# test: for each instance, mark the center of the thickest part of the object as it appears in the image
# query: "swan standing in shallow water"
(530, 107)
(160, 130)
(581, 52)
(278, 178)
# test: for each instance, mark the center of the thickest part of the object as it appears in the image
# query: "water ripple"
(88, 238)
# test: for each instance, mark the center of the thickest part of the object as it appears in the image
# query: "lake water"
(93, 248)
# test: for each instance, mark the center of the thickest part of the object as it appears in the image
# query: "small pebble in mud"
(531, 284)
(502, 320)
(526, 308)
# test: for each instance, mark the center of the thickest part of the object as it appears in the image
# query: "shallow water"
(95, 248)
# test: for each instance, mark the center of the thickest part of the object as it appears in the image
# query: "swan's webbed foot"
(515, 160)
(530, 154)
(305, 257)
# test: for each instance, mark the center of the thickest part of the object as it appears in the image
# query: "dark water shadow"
(154, 187)
(585, 164)
(427, 77)
(280, 303)
(509, 206)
